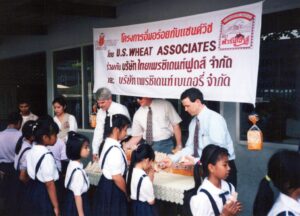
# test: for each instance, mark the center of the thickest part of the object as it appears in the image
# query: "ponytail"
(19, 145)
(198, 173)
(264, 198)
(133, 162)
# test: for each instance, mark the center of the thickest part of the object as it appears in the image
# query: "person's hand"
(176, 149)
(231, 209)
(165, 163)
(56, 211)
(95, 158)
(187, 160)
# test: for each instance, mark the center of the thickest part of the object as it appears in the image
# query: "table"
(167, 186)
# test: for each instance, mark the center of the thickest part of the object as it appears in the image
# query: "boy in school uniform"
(8, 141)
(27, 115)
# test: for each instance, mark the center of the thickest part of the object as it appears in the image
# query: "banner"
(217, 52)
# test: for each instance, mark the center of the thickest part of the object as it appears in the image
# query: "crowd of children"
(34, 182)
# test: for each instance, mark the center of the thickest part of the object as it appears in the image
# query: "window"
(73, 75)
(278, 91)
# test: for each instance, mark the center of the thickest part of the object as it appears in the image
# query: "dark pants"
(232, 178)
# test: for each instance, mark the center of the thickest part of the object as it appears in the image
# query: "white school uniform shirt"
(22, 163)
(29, 117)
(47, 171)
(146, 190)
(80, 182)
(8, 140)
(72, 122)
(164, 117)
(200, 203)
(114, 162)
(213, 130)
(115, 108)
(286, 204)
(59, 152)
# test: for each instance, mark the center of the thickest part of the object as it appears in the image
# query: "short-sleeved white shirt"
(79, 183)
(22, 162)
(200, 203)
(164, 117)
(59, 152)
(146, 190)
(286, 204)
(48, 169)
(114, 163)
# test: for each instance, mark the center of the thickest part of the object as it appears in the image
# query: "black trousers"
(232, 178)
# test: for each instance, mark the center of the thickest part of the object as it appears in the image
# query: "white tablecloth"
(167, 186)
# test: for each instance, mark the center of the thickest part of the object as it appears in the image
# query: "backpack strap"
(212, 201)
(230, 187)
(139, 186)
(71, 176)
(21, 155)
(37, 167)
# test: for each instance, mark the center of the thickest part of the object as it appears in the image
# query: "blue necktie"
(223, 197)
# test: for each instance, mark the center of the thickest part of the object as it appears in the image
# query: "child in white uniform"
(111, 197)
(214, 195)
(140, 181)
(284, 173)
(76, 181)
(41, 195)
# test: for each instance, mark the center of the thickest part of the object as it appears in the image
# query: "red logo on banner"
(101, 40)
(237, 31)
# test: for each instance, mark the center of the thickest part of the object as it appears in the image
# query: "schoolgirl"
(65, 121)
(139, 184)
(110, 197)
(42, 170)
(76, 181)
(284, 173)
(214, 192)
(23, 146)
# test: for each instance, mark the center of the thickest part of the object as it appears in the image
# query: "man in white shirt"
(212, 129)
(164, 122)
(107, 108)
(27, 115)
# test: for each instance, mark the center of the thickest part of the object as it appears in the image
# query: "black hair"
(284, 173)
(211, 154)
(115, 121)
(44, 126)
(14, 118)
(27, 132)
(198, 173)
(61, 101)
(24, 101)
(74, 145)
(143, 151)
(193, 94)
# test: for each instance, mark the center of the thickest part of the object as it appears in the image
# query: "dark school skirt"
(139, 208)
(109, 200)
(37, 201)
(70, 208)
(19, 197)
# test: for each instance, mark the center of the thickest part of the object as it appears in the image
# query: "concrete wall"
(75, 31)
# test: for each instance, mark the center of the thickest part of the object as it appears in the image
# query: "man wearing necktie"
(156, 122)
(107, 108)
(207, 127)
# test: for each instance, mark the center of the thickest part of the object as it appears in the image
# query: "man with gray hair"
(107, 107)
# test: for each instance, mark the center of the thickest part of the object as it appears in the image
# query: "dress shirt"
(59, 152)
(115, 108)
(80, 182)
(114, 162)
(8, 140)
(164, 117)
(200, 203)
(146, 190)
(48, 169)
(22, 163)
(286, 204)
(213, 130)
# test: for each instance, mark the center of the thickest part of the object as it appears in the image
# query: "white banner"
(217, 52)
